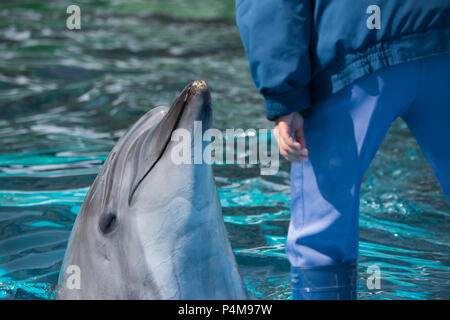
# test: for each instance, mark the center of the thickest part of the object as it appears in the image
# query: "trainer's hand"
(286, 126)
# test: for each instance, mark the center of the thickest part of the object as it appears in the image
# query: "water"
(67, 96)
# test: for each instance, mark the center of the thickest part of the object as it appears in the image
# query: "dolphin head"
(143, 156)
(153, 146)
(152, 228)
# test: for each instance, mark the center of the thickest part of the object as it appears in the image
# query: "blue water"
(67, 96)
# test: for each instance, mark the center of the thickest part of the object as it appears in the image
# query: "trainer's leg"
(429, 117)
(342, 135)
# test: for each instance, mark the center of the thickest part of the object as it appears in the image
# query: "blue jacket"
(301, 51)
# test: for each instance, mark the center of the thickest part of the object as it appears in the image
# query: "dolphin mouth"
(196, 92)
(195, 95)
(196, 89)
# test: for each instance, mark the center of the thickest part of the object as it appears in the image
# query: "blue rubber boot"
(332, 282)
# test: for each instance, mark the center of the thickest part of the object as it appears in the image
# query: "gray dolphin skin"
(149, 228)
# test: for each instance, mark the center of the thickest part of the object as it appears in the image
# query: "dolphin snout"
(200, 88)
(199, 84)
(200, 98)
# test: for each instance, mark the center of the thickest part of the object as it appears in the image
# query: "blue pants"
(343, 133)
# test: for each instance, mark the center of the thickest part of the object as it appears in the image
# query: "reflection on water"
(67, 96)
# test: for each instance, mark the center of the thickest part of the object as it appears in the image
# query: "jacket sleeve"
(276, 38)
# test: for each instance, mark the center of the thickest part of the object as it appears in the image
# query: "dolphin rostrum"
(149, 228)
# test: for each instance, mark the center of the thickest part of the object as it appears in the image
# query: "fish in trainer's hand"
(149, 228)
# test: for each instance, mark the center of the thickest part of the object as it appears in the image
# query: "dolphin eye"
(107, 222)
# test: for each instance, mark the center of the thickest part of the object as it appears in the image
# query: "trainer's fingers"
(283, 129)
(285, 134)
(289, 145)
(293, 157)
(285, 152)
(300, 137)
(288, 152)
(282, 148)
(289, 148)
(295, 150)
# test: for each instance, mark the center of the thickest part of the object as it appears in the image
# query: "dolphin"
(149, 228)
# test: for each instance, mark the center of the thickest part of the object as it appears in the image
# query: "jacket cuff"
(285, 103)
